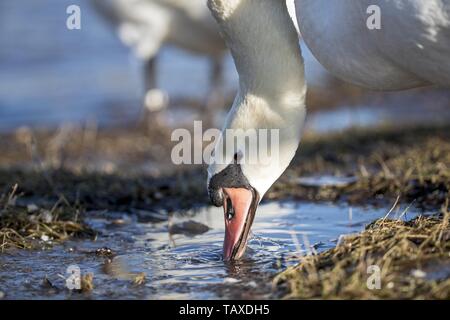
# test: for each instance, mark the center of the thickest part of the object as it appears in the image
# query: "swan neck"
(264, 44)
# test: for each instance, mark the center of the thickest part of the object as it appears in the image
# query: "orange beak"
(239, 211)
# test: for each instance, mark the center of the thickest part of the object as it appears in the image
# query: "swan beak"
(239, 211)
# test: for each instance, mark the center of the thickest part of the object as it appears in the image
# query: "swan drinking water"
(411, 49)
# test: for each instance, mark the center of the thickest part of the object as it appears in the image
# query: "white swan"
(411, 49)
(147, 25)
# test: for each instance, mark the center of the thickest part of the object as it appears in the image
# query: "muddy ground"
(49, 179)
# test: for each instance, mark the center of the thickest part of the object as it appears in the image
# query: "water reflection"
(191, 266)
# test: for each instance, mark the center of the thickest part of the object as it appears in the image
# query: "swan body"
(411, 49)
(147, 25)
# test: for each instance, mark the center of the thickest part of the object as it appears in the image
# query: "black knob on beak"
(216, 196)
(230, 177)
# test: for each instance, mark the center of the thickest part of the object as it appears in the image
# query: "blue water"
(51, 75)
(182, 265)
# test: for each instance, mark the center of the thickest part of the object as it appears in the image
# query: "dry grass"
(103, 191)
(119, 168)
(410, 163)
(413, 163)
(86, 148)
(26, 227)
(405, 253)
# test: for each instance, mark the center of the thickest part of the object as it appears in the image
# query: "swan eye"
(230, 209)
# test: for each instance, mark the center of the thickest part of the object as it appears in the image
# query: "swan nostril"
(229, 209)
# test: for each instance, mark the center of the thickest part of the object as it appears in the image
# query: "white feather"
(411, 49)
(271, 82)
(146, 25)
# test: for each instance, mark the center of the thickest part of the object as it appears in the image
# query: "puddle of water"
(326, 181)
(181, 265)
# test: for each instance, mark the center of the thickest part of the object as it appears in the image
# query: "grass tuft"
(408, 255)
(413, 163)
(26, 227)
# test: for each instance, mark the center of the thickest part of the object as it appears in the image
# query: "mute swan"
(411, 49)
(146, 25)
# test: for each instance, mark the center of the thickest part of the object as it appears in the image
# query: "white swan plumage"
(147, 25)
(411, 49)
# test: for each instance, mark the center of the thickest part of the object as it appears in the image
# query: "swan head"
(263, 128)
(231, 190)
(256, 146)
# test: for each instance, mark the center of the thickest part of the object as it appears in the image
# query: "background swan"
(147, 25)
(411, 49)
